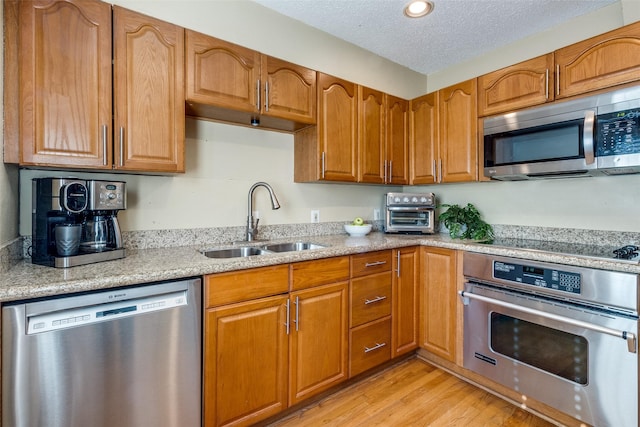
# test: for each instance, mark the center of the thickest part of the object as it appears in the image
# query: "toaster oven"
(409, 213)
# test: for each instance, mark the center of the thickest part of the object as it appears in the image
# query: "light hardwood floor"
(413, 393)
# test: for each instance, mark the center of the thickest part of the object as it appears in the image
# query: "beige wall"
(223, 160)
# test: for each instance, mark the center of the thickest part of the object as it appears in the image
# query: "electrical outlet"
(315, 216)
(376, 214)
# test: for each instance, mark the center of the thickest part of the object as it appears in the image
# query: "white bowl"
(357, 230)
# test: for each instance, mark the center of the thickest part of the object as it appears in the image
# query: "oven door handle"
(629, 337)
(410, 208)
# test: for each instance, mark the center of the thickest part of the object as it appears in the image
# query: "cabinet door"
(245, 362)
(458, 122)
(65, 83)
(289, 92)
(371, 137)
(319, 340)
(397, 140)
(406, 274)
(438, 302)
(220, 73)
(521, 85)
(148, 93)
(423, 139)
(337, 129)
(599, 62)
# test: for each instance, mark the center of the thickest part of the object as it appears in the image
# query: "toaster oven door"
(409, 220)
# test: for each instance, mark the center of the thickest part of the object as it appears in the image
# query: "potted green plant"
(465, 223)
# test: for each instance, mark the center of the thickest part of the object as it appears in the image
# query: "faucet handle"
(257, 221)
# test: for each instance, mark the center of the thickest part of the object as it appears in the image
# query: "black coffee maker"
(74, 221)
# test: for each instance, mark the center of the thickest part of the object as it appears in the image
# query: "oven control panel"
(536, 276)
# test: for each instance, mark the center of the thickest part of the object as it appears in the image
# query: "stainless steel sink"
(290, 247)
(245, 251)
(239, 252)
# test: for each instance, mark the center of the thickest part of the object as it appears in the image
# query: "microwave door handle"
(629, 337)
(587, 136)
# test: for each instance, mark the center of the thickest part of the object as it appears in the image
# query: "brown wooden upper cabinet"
(521, 85)
(599, 62)
(64, 81)
(329, 151)
(382, 138)
(444, 135)
(229, 82)
(372, 160)
(397, 142)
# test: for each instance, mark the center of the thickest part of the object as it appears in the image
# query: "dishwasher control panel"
(86, 315)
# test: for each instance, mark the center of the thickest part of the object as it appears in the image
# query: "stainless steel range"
(562, 335)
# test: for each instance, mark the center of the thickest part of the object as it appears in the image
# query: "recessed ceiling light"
(418, 8)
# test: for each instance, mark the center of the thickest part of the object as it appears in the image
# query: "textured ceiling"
(456, 31)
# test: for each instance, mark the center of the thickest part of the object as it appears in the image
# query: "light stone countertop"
(26, 280)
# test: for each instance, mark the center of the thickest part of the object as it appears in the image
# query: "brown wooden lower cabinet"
(318, 340)
(276, 336)
(438, 299)
(405, 300)
(246, 362)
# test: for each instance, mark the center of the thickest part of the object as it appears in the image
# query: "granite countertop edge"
(27, 281)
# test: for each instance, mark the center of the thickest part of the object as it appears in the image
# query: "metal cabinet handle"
(435, 170)
(368, 301)
(373, 264)
(375, 347)
(385, 172)
(105, 137)
(266, 96)
(322, 160)
(546, 85)
(629, 337)
(296, 321)
(390, 170)
(440, 170)
(121, 146)
(398, 263)
(287, 324)
(258, 95)
(557, 79)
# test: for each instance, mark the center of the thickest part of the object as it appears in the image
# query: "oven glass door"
(553, 351)
(580, 371)
(410, 219)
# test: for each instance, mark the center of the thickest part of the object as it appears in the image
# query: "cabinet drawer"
(370, 345)
(370, 298)
(369, 263)
(225, 288)
(307, 274)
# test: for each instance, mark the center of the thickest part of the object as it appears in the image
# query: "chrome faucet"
(252, 227)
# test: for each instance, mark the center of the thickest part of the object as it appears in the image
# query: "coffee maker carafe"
(84, 212)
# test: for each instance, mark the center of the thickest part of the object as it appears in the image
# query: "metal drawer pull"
(376, 299)
(629, 337)
(375, 347)
(373, 264)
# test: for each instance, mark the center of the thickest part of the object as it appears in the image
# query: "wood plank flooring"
(413, 393)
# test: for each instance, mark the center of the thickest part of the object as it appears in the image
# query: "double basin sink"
(244, 251)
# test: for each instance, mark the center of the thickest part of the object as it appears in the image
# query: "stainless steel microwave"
(596, 135)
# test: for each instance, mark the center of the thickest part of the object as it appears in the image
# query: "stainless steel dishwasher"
(129, 357)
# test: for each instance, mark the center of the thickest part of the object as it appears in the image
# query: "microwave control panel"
(618, 133)
(536, 276)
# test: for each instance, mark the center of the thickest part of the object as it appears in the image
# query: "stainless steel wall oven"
(563, 335)
(410, 213)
